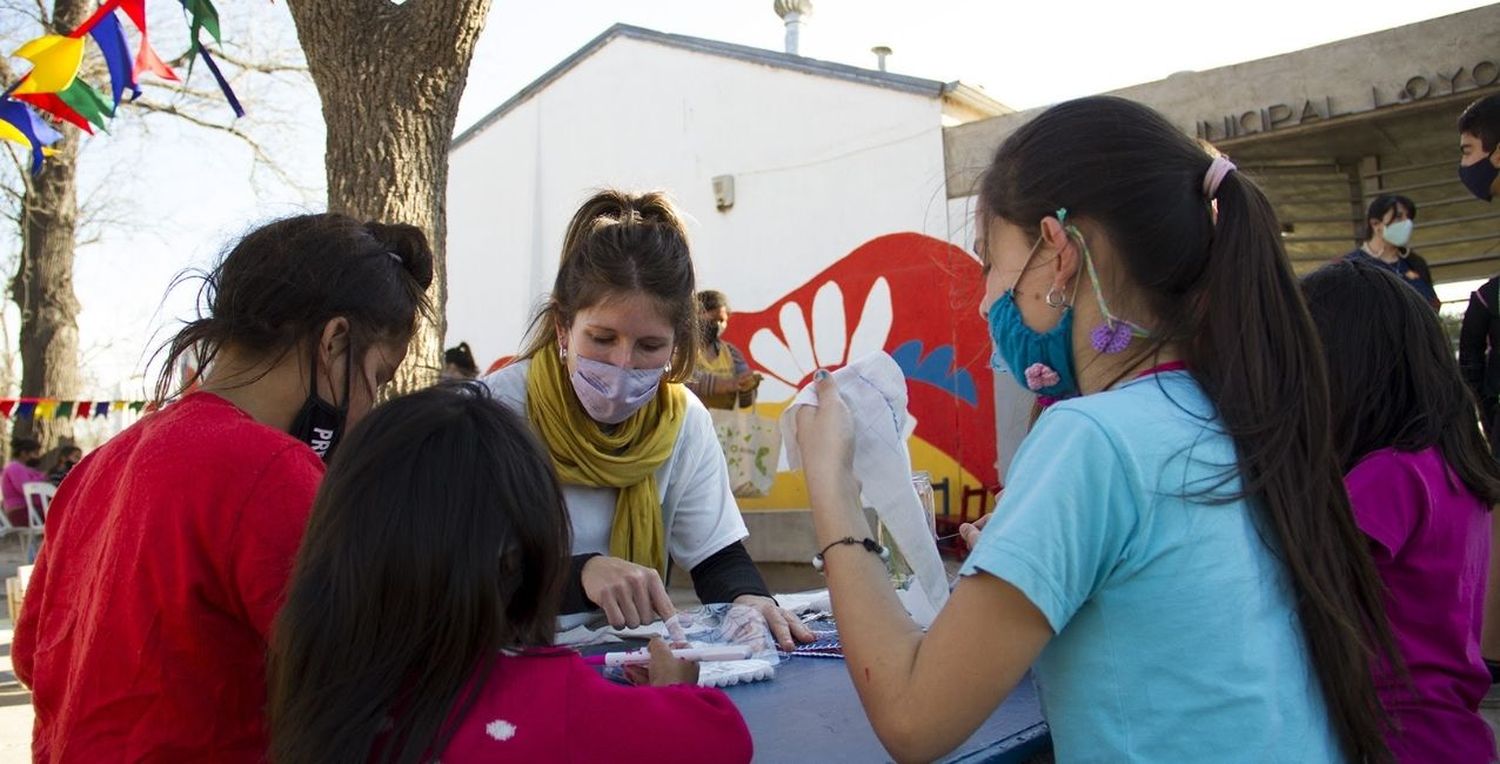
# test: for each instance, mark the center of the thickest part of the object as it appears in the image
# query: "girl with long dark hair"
(1421, 481)
(1174, 553)
(144, 633)
(425, 592)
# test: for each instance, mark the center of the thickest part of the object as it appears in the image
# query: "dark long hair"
(1392, 376)
(438, 538)
(283, 282)
(1224, 294)
(618, 243)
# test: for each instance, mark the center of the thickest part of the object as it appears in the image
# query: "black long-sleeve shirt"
(1479, 341)
(726, 574)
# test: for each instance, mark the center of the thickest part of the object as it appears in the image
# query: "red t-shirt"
(549, 706)
(143, 634)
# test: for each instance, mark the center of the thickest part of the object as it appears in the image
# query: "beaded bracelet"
(868, 543)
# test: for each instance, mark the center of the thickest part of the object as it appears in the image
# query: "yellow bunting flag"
(8, 132)
(46, 409)
(54, 63)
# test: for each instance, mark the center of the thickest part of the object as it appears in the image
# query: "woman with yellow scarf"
(642, 472)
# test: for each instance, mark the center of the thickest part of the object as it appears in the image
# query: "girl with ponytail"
(1174, 555)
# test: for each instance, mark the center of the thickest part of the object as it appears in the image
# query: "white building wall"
(820, 166)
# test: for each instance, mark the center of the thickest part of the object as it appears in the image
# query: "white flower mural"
(822, 342)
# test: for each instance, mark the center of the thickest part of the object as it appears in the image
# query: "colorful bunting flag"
(146, 59)
(202, 15)
(54, 63)
(110, 37)
(52, 85)
(80, 105)
(21, 125)
(49, 408)
(53, 104)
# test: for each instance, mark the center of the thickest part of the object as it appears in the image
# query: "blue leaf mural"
(936, 369)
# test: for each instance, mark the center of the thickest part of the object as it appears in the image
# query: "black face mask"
(711, 332)
(1478, 178)
(320, 424)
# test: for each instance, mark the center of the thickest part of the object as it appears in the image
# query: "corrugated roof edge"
(900, 82)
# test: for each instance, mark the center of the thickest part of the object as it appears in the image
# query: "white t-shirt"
(698, 507)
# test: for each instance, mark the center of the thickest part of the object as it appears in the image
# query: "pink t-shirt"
(15, 475)
(1430, 538)
(548, 705)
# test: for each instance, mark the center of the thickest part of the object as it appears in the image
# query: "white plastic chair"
(38, 500)
(26, 534)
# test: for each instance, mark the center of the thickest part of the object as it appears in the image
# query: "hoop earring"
(1055, 298)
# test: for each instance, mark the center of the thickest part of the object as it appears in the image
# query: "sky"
(177, 196)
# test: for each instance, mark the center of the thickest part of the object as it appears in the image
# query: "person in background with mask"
(68, 457)
(24, 467)
(643, 475)
(1479, 339)
(723, 380)
(1479, 335)
(1479, 147)
(147, 619)
(1388, 227)
(458, 363)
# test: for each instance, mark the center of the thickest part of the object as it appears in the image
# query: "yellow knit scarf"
(625, 458)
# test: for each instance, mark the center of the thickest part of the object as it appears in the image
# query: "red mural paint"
(913, 296)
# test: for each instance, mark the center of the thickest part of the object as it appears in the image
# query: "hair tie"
(1217, 170)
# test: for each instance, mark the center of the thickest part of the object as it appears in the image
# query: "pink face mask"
(610, 393)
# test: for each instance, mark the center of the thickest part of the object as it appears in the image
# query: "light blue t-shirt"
(1176, 639)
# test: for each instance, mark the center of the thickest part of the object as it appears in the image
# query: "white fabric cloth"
(874, 389)
(699, 512)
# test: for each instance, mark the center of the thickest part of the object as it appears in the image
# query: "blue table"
(811, 713)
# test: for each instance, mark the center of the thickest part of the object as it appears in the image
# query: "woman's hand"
(784, 625)
(629, 594)
(825, 437)
(664, 669)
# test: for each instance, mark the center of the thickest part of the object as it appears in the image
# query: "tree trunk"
(390, 77)
(43, 284)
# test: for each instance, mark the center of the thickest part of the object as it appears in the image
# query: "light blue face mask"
(1398, 233)
(1041, 362)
